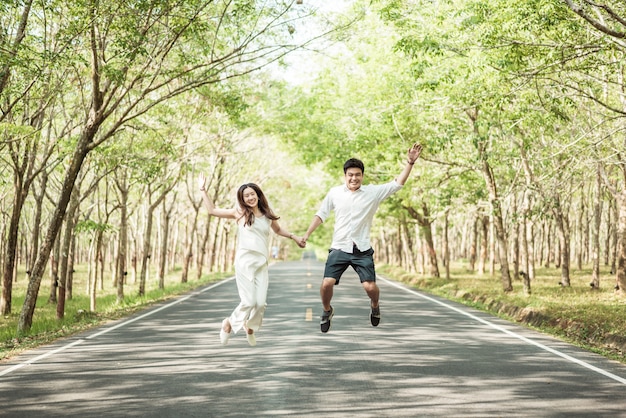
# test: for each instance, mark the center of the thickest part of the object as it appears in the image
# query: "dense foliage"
(520, 106)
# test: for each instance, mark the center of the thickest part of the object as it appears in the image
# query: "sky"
(303, 65)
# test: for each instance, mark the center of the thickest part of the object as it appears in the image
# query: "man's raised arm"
(412, 156)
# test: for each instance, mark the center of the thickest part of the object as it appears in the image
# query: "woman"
(254, 219)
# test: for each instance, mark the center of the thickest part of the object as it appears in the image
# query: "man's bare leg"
(372, 290)
(326, 292)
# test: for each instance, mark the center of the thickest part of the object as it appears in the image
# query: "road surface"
(428, 358)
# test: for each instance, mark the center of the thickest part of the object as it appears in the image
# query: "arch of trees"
(105, 111)
(520, 106)
(108, 110)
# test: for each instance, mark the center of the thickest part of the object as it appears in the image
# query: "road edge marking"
(104, 331)
(511, 333)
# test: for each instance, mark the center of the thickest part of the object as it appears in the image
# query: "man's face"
(354, 178)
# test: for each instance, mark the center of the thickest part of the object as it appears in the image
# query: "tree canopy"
(109, 110)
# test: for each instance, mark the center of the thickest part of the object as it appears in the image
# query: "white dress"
(251, 273)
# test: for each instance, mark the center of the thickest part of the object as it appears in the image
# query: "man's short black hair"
(353, 163)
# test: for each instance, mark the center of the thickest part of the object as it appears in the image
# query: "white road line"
(177, 301)
(399, 286)
(41, 357)
(511, 333)
(121, 324)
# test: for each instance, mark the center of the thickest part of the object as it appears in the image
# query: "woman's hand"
(202, 182)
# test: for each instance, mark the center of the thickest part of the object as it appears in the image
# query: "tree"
(29, 87)
(138, 55)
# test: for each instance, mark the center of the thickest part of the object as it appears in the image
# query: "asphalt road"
(428, 358)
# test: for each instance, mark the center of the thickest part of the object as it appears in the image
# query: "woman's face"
(250, 197)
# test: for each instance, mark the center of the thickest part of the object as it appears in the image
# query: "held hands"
(414, 153)
(299, 240)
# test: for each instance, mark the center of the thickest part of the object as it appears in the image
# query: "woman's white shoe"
(224, 336)
(251, 339)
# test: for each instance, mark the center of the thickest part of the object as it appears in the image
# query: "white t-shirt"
(354, 213)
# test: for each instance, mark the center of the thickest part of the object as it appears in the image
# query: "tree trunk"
(65, 251)
(227, 260)
(200, 260)
(492, 246)
(98, 265)
(494, 199)
(556, 256)
(474, 244)
(11, 246)
(167, 213)
(54, 271)
(614, 238)
(28, 309)
(562, 226)
(517, 255)
(430, 249)
(211, 239)
(595, 238)
(122, 249)
(484, 244)
(410, 247)
(529, 236)
(446, 246)
(499, 227)
(383, 253)
(526, 248)
(22, 156)
(425, 223)
(147, 241)
(609, 233)
(620, 274)
(213, 248)
(581, 232)
(529, 242)
(147, 250)
(549, 246)
(190, 240)
(398, 245)
(34, 238)
(69, 285)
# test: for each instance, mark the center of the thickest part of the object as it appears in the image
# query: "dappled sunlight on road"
(423, 360)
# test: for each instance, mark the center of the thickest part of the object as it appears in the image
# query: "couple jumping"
(354, 205)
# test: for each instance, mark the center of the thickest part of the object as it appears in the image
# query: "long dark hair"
(264, 207)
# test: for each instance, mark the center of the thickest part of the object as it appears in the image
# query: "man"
(354, 206)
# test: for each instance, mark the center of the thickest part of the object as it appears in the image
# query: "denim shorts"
(361, 261)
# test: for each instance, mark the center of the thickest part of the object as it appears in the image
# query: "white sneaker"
(224, 336)
(251, 339)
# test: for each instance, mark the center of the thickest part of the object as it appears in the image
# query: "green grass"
(47, 328)
(591, 319)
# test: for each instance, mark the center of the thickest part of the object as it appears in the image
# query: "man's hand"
(301, 242)
(414, 153)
